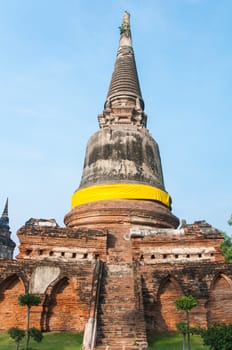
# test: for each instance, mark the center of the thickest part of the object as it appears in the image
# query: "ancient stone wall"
(184, 261)
(56, 243)
(192, 243)
(65, 295)
(210, 283)
(145, 270)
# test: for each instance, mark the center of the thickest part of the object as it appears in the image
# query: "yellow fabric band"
(119, 191)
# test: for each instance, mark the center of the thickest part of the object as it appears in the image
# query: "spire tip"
(5, 211)
(125, 33)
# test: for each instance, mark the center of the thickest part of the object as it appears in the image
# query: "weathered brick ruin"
(6, 244)
(117, 266)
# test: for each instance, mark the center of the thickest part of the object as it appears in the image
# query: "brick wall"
(210, 283)
(65, 301)
(52, 243)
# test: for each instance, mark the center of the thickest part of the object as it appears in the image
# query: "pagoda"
(122, 169)
(6, 244)
(114, 271)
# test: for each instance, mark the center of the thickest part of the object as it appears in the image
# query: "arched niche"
(65, 312)
(167, 316)
(219, 305)
(12, 314)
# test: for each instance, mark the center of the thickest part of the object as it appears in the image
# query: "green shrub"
(218, 336)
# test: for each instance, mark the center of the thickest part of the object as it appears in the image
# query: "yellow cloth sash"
(119, 191)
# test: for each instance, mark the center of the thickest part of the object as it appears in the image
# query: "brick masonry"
(117, 267)
(143, 271)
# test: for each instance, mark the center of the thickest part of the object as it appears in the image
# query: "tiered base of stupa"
(130, 213)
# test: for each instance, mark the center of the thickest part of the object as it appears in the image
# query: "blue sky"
(56, 61)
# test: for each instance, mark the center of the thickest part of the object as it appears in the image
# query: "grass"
(174, 342)
(72, 341)
(51, 341)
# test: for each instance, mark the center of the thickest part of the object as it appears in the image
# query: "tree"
(230, 220)
(36, 334)
(16, 334)
(226, 245)
(182, 328)
(186, 303)
(217, 336)
(28, 300)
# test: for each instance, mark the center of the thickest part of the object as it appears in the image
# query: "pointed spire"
(124, 103)
(125, 82)
(125, 38)
(4, 219)
(7, 245)
(5, 211)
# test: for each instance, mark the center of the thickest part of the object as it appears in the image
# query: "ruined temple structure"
(6, 244)
(122, 258)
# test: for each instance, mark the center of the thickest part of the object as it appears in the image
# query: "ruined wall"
(65, 295)
(210, 283)
(220, 299)
(11, 313)
(65, 311)
(163, 264)
(182, 262)
(193, 243)
(56, 243)
(56, 264)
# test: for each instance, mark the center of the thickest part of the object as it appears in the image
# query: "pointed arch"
(65, 312)
(219, 304)
(12, 314)
(167, 315)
